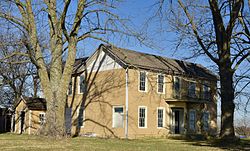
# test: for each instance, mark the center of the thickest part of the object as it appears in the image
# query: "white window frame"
(146, 81)
(44, 115)
(163, 121)
(174, 92)
(189, 123)
(189, 86)
(208, 120)
(79, 85)
(206, 84)
(146, 116)
(163, 83)
(113, 111)
(83, 114)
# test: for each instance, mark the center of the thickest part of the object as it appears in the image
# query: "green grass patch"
(24, 142)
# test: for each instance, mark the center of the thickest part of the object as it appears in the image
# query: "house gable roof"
(133, 59)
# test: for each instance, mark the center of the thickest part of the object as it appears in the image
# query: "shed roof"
(33, 103)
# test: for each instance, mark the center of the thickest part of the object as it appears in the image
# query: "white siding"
(103, 61)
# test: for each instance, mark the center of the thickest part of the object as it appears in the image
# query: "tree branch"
(194, 28)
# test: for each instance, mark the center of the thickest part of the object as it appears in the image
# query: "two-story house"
(125, 93)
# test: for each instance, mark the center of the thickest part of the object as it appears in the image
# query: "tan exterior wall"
(108, 90)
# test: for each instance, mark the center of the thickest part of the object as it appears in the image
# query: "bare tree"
(68, 23)
(15, 71)
(218, 30)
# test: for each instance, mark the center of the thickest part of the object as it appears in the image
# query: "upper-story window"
(142, 81)
(82, 85)
(160, 83)
(191, 89)
(205, 91)
(177, 87)
(70, 91)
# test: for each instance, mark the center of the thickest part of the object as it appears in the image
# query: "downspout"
(126, 109)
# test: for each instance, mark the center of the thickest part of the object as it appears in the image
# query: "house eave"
(187, 100)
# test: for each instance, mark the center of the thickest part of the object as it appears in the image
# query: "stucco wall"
(108, 90)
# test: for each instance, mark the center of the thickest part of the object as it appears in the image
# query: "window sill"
(143, 91)
(142, 127)
(161, 93)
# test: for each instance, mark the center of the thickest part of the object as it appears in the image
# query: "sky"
(139, 13)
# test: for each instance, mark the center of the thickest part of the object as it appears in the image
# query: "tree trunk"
(227, 102)
(55, 115)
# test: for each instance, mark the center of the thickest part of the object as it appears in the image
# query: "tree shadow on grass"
(234, 145)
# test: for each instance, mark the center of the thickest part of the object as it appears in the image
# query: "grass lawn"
(28, 142)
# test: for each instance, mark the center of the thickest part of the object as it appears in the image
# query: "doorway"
(177, 120)
(21, 120)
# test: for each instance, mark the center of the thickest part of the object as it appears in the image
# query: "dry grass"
(28, 142)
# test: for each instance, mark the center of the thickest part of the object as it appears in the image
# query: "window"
(81, 114)
(192, 120)
(160, 117)
(142, 117)
(160, 81)
(177, 86)
(142, 81)
(82, 84)
(118, 116)
(70, 91)
(41, 118)
(205, 120)
(191, 89)
(205, 91)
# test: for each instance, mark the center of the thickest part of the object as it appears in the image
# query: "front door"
(177, 121)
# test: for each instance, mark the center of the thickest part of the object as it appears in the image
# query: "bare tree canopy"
(16, 71)
(62, 25)
(218, 30)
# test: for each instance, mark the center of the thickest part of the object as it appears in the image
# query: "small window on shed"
(42, 118)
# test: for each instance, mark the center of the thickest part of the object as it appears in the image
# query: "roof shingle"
(159, 63)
